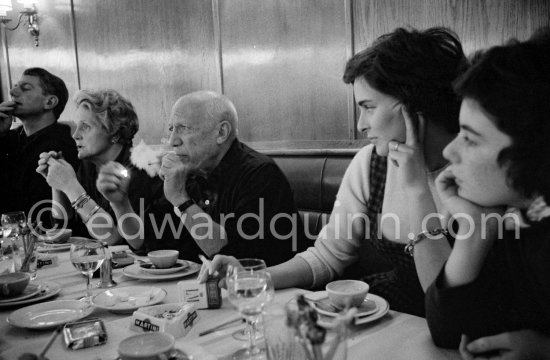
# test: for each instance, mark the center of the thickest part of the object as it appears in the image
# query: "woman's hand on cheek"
(448, 193)
(409, 156)
(467, 213)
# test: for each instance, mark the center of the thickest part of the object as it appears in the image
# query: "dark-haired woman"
(403, 86)
(494, 290)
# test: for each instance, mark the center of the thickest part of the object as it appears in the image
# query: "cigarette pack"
(205, 296)
(85, 333)
(175, 318)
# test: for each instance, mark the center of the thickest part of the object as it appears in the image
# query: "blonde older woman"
(106, 123)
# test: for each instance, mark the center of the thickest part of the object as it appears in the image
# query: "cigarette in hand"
(58, 156)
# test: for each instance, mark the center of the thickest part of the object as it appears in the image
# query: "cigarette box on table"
(205, 296)
(175, 318)
(84, 333)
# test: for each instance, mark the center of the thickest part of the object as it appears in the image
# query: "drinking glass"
(12, 223)
(251, 264)
(249, 288)
(12, 226)
(87, 256)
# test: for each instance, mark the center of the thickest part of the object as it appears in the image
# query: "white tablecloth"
(395, 336)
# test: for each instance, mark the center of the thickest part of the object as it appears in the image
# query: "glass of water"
(250, 288)
(12, 228)
(87, 256)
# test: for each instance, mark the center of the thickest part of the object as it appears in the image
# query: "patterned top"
(400, 286)
(369, 188)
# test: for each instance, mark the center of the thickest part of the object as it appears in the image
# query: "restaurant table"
(395, 336)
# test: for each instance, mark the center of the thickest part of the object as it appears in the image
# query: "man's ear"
(224, 131)
(50, 102)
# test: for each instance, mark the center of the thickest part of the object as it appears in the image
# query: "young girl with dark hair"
(495, 287)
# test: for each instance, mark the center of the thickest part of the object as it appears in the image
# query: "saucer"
(324, 306)
(152, 269)
(30, 290)
(380, 305)
(127, 299)
(134, 271)
(49, 314)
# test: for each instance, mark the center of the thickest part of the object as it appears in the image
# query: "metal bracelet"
(409, 248)
(92, 213)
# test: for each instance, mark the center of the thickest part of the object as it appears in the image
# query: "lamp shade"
(28, 3)
(5, 6)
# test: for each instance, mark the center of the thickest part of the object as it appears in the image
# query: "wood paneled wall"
(280, 61)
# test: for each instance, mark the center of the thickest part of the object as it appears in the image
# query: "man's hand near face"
(6, 109)
(174, 173)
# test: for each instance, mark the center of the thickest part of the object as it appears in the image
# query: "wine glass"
(249, 288)
(87, 256)
(250, 264)
(12, 223)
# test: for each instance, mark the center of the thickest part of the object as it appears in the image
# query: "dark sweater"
(21, 187)
(512, 291)
(253, 188)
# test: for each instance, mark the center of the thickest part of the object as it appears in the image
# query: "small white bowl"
(347, 293)
(146, 346)
(163, 259)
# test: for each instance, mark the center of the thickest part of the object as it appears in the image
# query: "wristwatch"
(409, 248)
(179, 210)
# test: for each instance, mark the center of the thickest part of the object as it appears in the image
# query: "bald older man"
(231, 199)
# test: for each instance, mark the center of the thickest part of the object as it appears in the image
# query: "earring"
(115, 139)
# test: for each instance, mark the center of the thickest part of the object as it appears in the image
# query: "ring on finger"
(396, 146)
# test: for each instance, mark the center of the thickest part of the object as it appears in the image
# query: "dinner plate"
(134, 271)
(382, 308)
(48, 289)
(151, 269)
(127, 299)
(49, 314)
(31, 290)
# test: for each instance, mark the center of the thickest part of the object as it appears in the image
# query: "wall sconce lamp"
(29, 15)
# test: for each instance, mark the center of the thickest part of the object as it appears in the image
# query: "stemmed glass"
(12, 223)
(250, 288)
(249, 264)
(87, 256)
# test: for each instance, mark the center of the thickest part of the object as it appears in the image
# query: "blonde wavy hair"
(115, 113)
